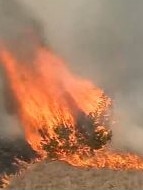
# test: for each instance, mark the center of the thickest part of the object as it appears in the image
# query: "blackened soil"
(12, 150)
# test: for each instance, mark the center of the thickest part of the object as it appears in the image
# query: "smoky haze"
(101, 40)
(16, 32)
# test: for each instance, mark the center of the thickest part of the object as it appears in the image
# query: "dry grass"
(59, 175)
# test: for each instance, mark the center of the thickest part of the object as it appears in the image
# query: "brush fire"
(63, 116)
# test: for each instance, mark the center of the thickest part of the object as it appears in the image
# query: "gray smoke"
(9, 123)
(16, 33)
(100, 40)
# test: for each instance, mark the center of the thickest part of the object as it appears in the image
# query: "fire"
(106, 158)
(63, 114)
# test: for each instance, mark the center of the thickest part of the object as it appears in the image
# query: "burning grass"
(63, 116)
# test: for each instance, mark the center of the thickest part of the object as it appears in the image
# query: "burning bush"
(55, 106)
(63, 116)
(97, 135)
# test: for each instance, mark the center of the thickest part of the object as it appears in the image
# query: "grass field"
(58, 175)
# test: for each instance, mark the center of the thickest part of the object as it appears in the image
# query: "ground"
(60, 175)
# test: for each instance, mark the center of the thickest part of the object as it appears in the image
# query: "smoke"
(9, 123)
(100, 39)
(16, 33)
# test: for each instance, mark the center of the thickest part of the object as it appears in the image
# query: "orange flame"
(106, 158)
(48, 95)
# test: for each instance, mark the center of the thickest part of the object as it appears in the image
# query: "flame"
(49, 96)
(107, 158)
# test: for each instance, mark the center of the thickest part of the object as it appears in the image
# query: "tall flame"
(49, 95)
